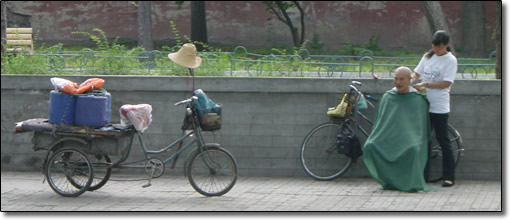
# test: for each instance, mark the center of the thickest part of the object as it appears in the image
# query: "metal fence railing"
(240, 62)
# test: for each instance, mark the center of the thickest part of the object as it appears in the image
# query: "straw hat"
(186, 56)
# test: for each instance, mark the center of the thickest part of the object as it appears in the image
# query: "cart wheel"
(102, 173)
(67, 166)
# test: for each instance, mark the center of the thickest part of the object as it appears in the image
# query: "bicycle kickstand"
(150, 177)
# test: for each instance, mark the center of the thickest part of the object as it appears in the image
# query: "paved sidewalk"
(24, 191)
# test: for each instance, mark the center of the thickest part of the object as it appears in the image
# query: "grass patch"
(115, 56)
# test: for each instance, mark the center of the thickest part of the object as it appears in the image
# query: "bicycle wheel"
(102, 173)
(212, 171)
(69, 172)
(319, 155)
(436, 154)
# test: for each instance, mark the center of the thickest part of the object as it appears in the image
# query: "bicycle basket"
(340, 110)
(209, 113)
(210, 121)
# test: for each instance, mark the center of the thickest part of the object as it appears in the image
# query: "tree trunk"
(498, 41)
(283, 16)
(198, 23)
(4, 26)
(437, 19)
(144, 23)
(279, 9)
(297, 38)
(302, 19)
(473, 29)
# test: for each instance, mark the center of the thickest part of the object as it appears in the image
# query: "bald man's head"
(404, 70)
(402, 79)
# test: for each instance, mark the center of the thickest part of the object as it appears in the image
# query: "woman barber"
(437, 70)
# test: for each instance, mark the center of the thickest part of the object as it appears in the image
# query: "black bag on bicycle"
(208, 121)
(348, 145)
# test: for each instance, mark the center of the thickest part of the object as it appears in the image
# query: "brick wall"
(264, 119)
(399, 24)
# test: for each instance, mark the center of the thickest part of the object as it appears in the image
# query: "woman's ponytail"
(429, 53)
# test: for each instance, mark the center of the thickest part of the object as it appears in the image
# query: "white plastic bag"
(64, 85)
(138, 115)
(362, 103)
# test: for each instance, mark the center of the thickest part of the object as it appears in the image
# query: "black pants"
(439, 122)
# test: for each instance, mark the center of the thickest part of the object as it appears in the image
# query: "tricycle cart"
(79, 157)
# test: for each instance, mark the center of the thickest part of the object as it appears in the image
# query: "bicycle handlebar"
(372, 98)
(193, 98)
(359, 92)
(183, 102)
(356, 83)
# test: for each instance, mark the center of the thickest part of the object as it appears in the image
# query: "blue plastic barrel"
(103, 92)
(91, 111)
(62, 108)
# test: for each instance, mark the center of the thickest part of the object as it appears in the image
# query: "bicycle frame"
(196, 139)
(147, 152)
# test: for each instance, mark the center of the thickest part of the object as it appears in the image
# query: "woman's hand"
(421, 87)
(417, 86)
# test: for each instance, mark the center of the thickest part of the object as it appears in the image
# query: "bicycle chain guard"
(154, 168)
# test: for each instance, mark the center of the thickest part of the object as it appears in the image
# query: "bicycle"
(74, 164)
(322, 157)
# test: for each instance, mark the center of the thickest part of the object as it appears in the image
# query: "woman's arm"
(439, 85)
(434, 85)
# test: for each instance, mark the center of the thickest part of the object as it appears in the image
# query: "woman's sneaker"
(448, 183)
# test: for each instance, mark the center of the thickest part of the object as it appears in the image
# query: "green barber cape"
(395, 153)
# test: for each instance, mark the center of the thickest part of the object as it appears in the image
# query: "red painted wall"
(399, 24)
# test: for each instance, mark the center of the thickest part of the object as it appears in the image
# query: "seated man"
(395, 153)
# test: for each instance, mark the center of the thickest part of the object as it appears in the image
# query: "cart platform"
(42, 125)
(110, 139)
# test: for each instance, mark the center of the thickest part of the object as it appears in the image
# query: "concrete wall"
(264, 119)
(400, 24)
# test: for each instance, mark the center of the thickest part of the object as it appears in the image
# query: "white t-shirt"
(436, 69)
